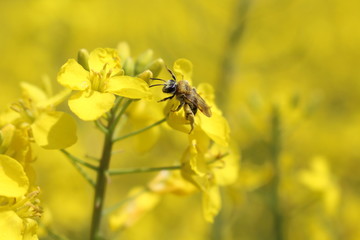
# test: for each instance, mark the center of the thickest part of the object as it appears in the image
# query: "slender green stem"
(77, 160)
(155, 169)
(141, 170)
(122, 111)
(275, 149)
(79, 168)
(139, 131)
(101, 181)
(101, 127)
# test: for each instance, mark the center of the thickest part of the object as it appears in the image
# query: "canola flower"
(98, 82)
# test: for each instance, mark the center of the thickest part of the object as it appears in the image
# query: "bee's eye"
(170, 87)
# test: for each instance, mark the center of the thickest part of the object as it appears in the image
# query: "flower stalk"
(101, 181)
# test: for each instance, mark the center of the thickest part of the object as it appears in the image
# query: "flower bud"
(143, 60)
(6, 136)
(129, 66)
(83, 58)
(124, 51)
(146, 75)
(156, 66)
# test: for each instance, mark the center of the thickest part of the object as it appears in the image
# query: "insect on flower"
(189, 99)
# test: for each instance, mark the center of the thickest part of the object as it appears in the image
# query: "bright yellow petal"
(11, 226)
(54, 130)
(177, 119)
(30, 229)
(191, 162)
(228, 169)
(105, 59)
(216, 127)
(130, 87)
(89, 106)
(72, 75)
(211, 203)
(13, 180)
(183, 69)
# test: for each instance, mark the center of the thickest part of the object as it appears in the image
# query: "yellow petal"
(11, 226)
(191, 162)
(183, 69)
(54, 130)
(72, 75)
(228, 172)
(211, 203)
(13, 180)
(177, 119)
(216, 127)
(130, 87)
(89, 106)
(30, 229)
(105, 59)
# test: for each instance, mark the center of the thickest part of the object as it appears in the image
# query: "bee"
(189, 99)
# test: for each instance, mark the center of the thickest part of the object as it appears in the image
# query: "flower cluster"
(104, 86)
(207, 162)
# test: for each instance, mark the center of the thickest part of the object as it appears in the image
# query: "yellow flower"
(18, 210)
(35, 111)
(96, 87)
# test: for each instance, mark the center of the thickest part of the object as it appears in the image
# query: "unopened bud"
(143, 60)
(129, 66)
(124, 51)
(156, 66)
(146, 75)
(83, 58)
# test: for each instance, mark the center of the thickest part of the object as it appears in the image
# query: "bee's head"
(170, 86)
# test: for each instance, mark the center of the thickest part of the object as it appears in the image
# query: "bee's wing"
(198, 101)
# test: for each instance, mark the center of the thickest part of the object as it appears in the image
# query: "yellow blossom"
(95, 88)
(35, 111)
(13, 180)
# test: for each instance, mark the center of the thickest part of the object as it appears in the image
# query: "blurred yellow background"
(286, 76)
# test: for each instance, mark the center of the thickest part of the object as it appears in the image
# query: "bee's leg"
(189, 115)
(179, 107)
(167, 98)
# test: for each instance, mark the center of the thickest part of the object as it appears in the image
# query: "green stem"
(79, 168)
(275, 150)
(141, 170)
(155, 169)
(100, 126)
(77, 160)
(139, 131)
(101, 181)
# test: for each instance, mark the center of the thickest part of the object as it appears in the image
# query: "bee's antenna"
(158, 79)
(157, 85)
(171, 72)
